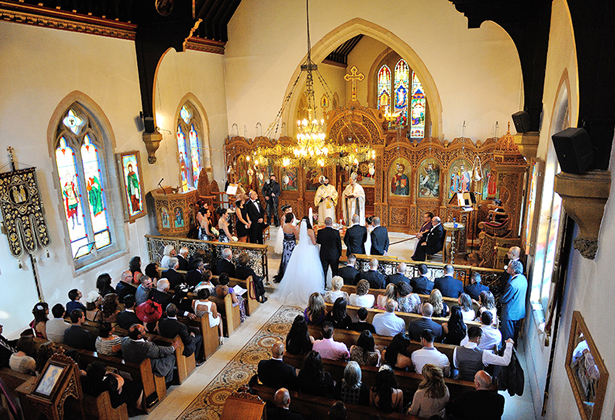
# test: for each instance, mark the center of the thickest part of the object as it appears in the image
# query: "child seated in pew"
(362, 325)
(203, 307)
(223, 289)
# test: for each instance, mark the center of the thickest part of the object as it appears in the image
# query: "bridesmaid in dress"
(225, 235)
(243, 222)
(290, 235)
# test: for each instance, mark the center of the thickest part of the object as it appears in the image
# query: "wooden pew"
(98, 407)
(211, 339)
(230, 314)
(252, 303)
(317, 408)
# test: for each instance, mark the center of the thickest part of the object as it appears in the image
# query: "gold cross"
(353, 78)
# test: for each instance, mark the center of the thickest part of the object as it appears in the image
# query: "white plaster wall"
(39, 68)
(477, 72)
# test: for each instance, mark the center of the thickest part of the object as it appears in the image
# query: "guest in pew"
(339, 315)
(385, 395)
(203, 307)
(455, 329)
(415, 328)
(480, 404)
(475, 287)
(365, 352)
(55, 327)
(362, 325)
(103, 284)
(440, 308)
(110, 308)
(76, 356)
(465, 302)
(422, 284)
(168, 253)
(195, 276)
(108, 343)
(135, 268)
(199, 254)
(469, 358)
(349, 273)
(160, 293)
(223, 289)
(76, 336)
(170, 327)
(491, 338)
(338, 411)
(281, 411)
(93, 305)
(389, 293)
(45, 351)
(327, 347)
(400, 276)
(39, 324)
(175, 279)
(432, 395)
(135, 349)
(299, 341)
(449, 285)
(243, 271)
(152, 270)
(315, 312)
(143, 291)
(128, 316)
(361, 297)
(274, 373)
(336, 290)
(375, 278)
(351, 389)
(486, 303)
(206, 283)
(183, 259)
(149, 312)
(396, 355)
(312, 379)
(183, 303)
(21, 361)
(125, 286)
(74, 295)
(406, 300)
(430, 355)
(121, 391)
(225, 265)
(388, 323)
(7, 349)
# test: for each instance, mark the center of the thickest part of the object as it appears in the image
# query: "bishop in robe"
(353, 201)
(326, 200)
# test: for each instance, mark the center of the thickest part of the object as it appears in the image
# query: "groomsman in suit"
(376, 279)
(449, 285)
(380, 238)
(349, 273)
(399, 277)
(330, 247)
(433, 242)
(256, 214)
(355, 237)
(422, 284)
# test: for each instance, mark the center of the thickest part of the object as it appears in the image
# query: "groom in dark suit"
(256, 214)
(330, 248)
(380, 238)
(355, 237)
(433, 243)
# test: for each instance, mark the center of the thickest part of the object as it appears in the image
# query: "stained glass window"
(82, 182)
(190, 146)
(417, 109)
(195, 156)
(402, 82)
(183, 165)
(384, 89)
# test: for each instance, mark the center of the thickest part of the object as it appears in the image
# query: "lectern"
(175, 211)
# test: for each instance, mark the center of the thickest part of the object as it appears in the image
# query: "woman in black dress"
(298, 340)
(313, 379)
(243, 222)
(290, 234)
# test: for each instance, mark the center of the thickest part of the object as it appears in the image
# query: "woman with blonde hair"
(389, 293)
(336, 285)
(440, 309)
(432, 395)
(169, 251)
(362, 298)
(315, 312)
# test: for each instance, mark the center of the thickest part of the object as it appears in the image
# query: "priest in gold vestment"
(326, 200)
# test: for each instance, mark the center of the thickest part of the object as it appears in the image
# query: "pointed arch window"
(417, 109)
(189, 146)
(402, 81)
(384, 89)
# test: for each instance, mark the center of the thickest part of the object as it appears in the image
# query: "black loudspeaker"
(522, 121)
(574, 150)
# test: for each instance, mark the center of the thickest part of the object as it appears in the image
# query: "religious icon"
(366, 173)
(400, 183)
(489, 182)
(460, 177)
(94, 190)
(164, 218)
(50, 378)
(429, 179)
(179, 217)
(71, 199)
(184, 170)
(129, 168)
(312, 178)
(289, 179)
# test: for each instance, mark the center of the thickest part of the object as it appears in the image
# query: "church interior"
(135, 110)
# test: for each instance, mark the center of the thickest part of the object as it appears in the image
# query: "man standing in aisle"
(513, 301)
(271, 192)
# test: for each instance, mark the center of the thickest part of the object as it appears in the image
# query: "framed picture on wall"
(129, 171)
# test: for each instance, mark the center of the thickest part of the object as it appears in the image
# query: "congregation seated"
(39, 323)
(376, 279)
(349, 273)
(206, 283)
(448, 285)
(429, 355)
(422, 284)
(432, 395)
(388, 323)
(225, 265)
(149, 312)
(416, 327)
(195, 275)
(183, 259)
(274, 372)
(169, 273)
(389, 293)
(475, 288)
(315, 312)
(107, 343)
(362, 324)
(491, 338)
(298, 339)
(170, 327)
(103, 284)
(128, 317)
(465, 302)
(338, 316)
(144, 289)
(313, 379)
(486, 303)
(44, 353)
(167, 253)
(365, 352)
(222, 289)
(135, 349)
(455, 330)
(125, 285)
(110, 308)
(329, 348)
(440, 308)
(384, 395)
(434, 239)
(351, 389)
(57, 325)
(481, 404)
(76, 336)
(204, 307)
(152, 270)
(362, 297)
(281, 410)
(159, 294)
(407, 301)
(469, 358)
(400, 276)
(336, 290)
(20, 360)
(243, 271)
(74, 295)
(134, 266)
(396, 354)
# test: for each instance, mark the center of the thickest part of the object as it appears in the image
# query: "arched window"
(80, 162)
(189, 145)
(384, 89)
(417, 109)
(402, 81)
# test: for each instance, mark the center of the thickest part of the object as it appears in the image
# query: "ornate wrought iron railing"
(257, 253)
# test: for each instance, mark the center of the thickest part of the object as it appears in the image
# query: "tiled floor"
(179, 397)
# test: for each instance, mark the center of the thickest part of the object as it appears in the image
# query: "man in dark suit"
(355, 237)
(422, 284)
(243, 271)
(182, 257)
(128, 317)
(170, 327)
(135, 349)
(433, 242)
(159, 294)
(349, 273)
(380, 238)
(225, 265)
(399, 277)
(175, 279)
(448, 285)
(281, 411)
(271, 192)
(274, 372)
(483, 403)
(513, 301)
(76, 336)
(256, 214)
(330, 248)
(125, 287)
(194, 277)
(416, 327)
(475, 288)
(376, 279)
(362, 325)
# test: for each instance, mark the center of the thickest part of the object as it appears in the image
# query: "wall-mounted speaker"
(574, 150)
(522, 121)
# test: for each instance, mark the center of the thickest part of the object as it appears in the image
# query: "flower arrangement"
(215, 232)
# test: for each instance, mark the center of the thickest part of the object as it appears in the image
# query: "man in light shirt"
(492, 337)
(470, 359)
(328, 348)
(388, 323)
(429, 354)
(55, 327)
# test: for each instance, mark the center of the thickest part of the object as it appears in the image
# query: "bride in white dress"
(303, 275)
